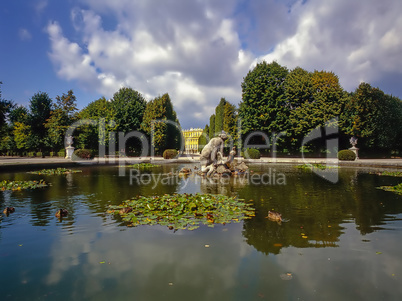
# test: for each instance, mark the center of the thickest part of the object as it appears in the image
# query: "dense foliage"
(161, 125)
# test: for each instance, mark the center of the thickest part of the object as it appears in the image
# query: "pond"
(339, 241)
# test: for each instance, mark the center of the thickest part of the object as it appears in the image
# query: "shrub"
(252, 153)
(170, 154)
(84, 153)
(61, 153)
(31, 154)
(39, 154)
(52, 154)
(346, 155)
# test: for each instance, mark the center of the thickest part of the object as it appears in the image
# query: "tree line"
(282, 106)
(289, 104)
(41, 127)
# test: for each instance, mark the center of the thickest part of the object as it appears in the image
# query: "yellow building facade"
(191, 140)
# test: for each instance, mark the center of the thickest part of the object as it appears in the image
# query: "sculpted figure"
(212, 152)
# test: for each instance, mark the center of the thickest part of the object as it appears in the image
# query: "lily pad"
(20, 185)
(183, 211)
(142, 165)
(57, 171)
(397, 189)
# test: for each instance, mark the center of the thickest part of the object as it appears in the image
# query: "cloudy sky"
(196, 50)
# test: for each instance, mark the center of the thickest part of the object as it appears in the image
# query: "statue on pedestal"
(353, 142)
(69, 148)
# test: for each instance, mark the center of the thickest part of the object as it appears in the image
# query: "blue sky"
(197, 51)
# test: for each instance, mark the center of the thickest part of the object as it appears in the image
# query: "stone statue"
(69, 140)
(353, 141)
(212, 153)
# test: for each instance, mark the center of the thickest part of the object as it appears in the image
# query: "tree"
(373, 116)
(314, 100)
(212, 126)
(298, 87)
(5, 107)
(157, 124)
(263, 106)
(219, 115)
(61, 117)
(16, 114)
(40, 107)
(102, 113)
(22, 132)
(230, 120)
(67, 103)
(204, 138)
(129, 106)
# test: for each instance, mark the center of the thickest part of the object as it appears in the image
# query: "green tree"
(314, 99)
(102, 113)
(22, 133)
(157, 124)
(230, 121)
(129, 106)
(212, 126)
(219, 115)
(40, 107)
(67, 103)
(61, 117)
(5, 108)
(263, 106)
(373, 116)
(16, 114)
(204, 138)
(298, 88)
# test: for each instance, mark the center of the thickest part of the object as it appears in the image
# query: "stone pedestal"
(69, 151)
(355, 150)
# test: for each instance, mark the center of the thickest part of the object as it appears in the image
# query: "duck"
(274, 216)
(8, 210)
(125, 210)
(61, 213)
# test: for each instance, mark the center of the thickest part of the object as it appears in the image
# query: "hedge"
(170, 154)
(346, 155)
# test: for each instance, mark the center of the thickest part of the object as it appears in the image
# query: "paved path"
(10, 163)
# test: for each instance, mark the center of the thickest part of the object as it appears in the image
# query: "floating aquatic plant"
(142, 165)
(183, 211)
(57, 171)
(397, 189)
(390, 173)
(309, 166)
(20, 185)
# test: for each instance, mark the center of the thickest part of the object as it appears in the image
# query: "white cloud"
(357, 40)
(184, 50)
(199, 51)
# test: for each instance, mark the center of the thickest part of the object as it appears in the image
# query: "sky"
(196, 50)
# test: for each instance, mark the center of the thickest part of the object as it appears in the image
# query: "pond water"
(338, 241)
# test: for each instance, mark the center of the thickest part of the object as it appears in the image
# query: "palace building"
(191, 140)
